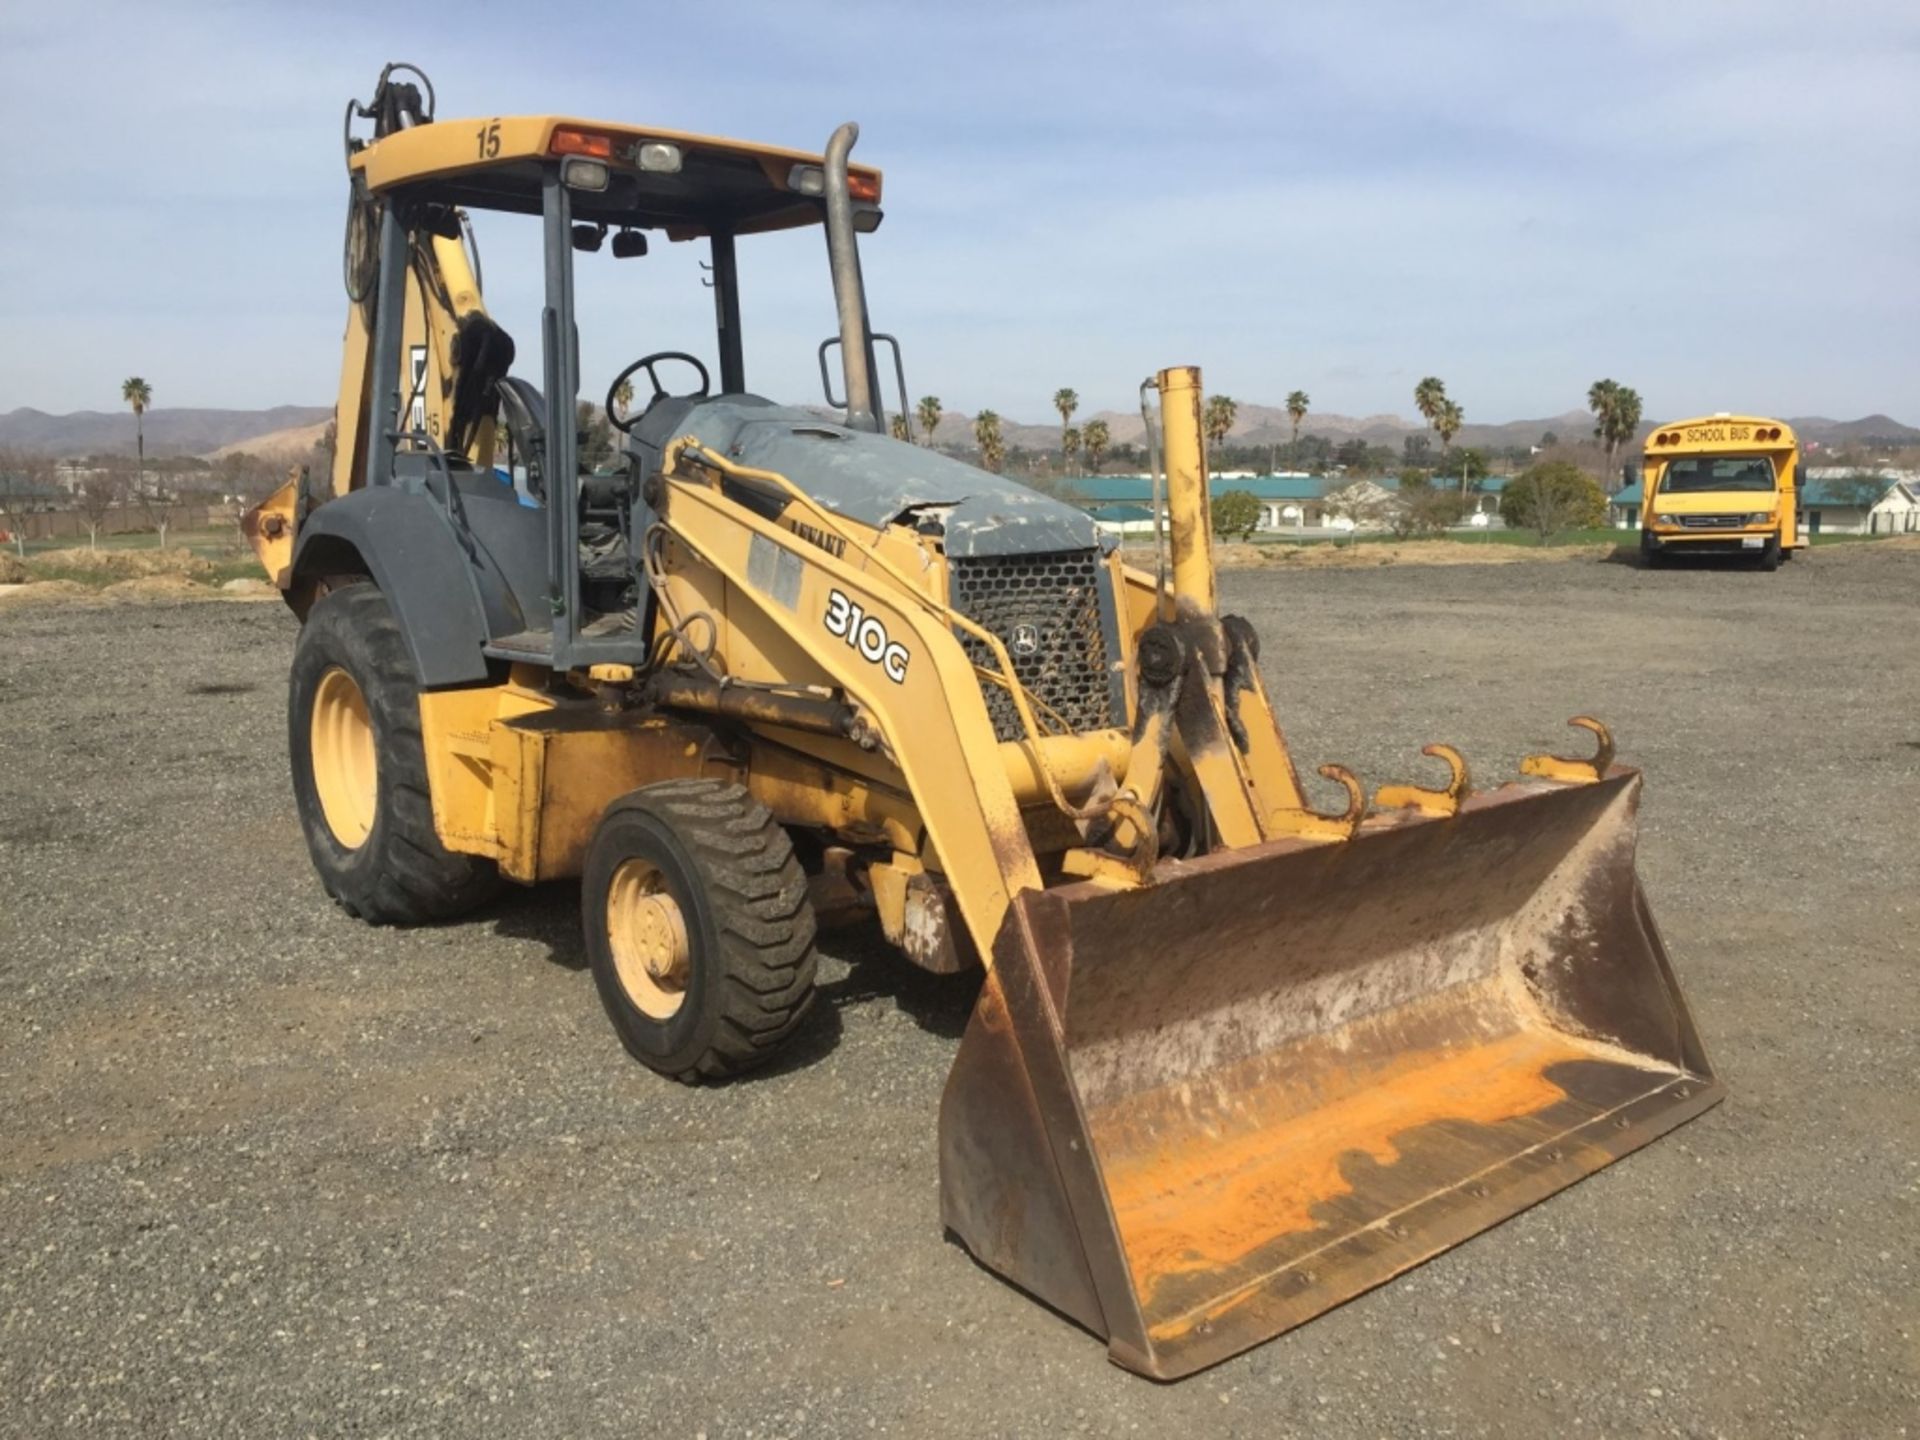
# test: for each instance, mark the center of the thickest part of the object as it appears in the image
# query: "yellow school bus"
(1721, 485)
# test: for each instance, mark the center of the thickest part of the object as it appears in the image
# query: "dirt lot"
(266, 1172)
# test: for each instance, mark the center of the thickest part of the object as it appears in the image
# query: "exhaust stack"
(849, 289)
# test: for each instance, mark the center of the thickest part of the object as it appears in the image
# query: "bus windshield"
(1699, 473)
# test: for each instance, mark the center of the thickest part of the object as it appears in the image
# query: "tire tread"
(761, 911)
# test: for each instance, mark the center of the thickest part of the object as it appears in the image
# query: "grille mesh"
(1056, 598)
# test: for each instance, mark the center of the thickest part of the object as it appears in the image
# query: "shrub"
(1235, 514)
(1424, 510)
(1552, 496)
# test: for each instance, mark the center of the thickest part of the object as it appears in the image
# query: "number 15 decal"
(867, 635)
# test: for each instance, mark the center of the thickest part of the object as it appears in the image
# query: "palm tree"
(897, 427)
(1297, 404)
(1616, 413)
(1096, 438)
(1069, 444)
(1066, 402)
(1217, 419)
(986, 434)
(623, 397)
(927, 412)
(1628, 414)
(137, 393)
(1447, 419)
(1428, 396)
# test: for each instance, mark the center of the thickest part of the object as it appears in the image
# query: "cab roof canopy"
(732, 186)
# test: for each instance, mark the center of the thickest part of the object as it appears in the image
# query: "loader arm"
(897, 657)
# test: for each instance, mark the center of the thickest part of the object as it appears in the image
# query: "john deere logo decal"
(1025, 640)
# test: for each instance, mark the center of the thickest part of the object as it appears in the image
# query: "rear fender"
(448, 602)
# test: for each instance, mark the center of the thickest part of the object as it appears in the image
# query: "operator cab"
(456, 397)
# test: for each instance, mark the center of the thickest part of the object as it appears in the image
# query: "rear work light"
(581, 142)
(577, 172)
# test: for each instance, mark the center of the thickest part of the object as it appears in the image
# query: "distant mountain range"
(169, 431)
(287, 430)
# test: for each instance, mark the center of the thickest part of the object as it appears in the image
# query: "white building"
(1839, 501)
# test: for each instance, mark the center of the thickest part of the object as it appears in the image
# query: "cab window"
(1698, 473)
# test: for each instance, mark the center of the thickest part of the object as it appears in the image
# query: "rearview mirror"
(588, 237)
(629, 245)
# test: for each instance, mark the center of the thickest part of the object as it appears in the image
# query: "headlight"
(1758, 517)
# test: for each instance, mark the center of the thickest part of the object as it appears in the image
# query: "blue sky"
(1713, 202)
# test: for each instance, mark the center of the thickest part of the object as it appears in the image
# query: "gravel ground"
(264, 1171)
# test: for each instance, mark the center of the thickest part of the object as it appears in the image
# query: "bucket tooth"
(1446, 801)
(1575, 771)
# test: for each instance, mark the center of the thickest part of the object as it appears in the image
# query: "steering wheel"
(646, 363)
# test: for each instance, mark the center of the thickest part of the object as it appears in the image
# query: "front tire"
(1651, 557)
(1770, 556)
(698, 928)
(360, 769)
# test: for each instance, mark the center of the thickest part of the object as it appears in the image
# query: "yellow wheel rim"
(648, 935)
(345, 772)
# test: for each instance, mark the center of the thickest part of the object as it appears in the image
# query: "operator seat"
(524, 409)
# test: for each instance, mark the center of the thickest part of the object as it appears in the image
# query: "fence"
(121, 520)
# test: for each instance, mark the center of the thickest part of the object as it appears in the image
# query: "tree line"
(1616, 409)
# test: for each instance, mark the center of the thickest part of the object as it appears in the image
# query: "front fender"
(449, 603)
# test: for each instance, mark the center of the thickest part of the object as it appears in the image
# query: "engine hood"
(876, 480)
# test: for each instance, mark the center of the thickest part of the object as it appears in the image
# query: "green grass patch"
(222, 542)
(91, 578)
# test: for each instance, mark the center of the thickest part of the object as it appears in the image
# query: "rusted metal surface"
(1276, 1077)
(933, 935)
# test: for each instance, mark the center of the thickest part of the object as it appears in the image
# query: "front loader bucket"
(1192, 1115)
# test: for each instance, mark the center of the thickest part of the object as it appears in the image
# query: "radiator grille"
(1046, 610)
(1713, 522)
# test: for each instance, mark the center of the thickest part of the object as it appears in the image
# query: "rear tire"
(360, 772)
(698, 928)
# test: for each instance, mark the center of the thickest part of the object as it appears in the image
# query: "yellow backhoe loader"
(1233, 1060)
